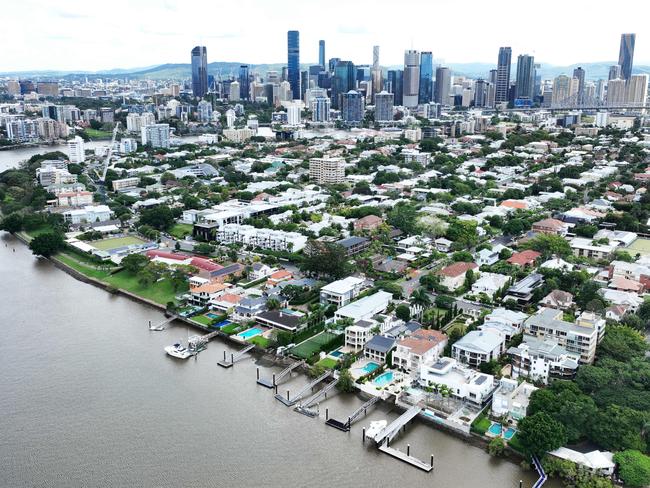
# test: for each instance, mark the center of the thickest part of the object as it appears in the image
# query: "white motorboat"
(375, 428)
(157, 327)
(178, 350)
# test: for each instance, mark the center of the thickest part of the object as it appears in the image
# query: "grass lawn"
(203, 320)
(260, 341)
(641, 246)
(515, 443)
(98, 134)
(453, 326)
(230, 329)
(41, 229)
(115, 242)
(481, 425)
(179, 231)
(328, 363)
(85, 268)
(160, 292)
(307, 349)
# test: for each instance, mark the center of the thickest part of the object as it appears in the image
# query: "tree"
(203, 248)
(403, 216)
(420, 297)
(618, 428)
(496, 447)
(445, 301)
(634, 467)
(431, 225)
(463, 233)
(549, 244)
(273, 304)
(147, 276)
(47, 244)
(160, 217)
(540, 433)
(346, 383)
(134, 263)
(462, 256)
(622, 343)
(325, 258)
(12, 223)
(403, 312)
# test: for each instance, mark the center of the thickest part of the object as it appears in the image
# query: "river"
(90, 399)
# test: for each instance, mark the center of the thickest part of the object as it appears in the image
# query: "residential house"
(523, 290)
(378, 347)
(551, 226)
(453, 276)
(278, 277)
(490, 284)
(259, 271)
(202, 294)
(599, 463)
(542, 359)
(280, 319)
(357, 334)
(421, 346)
(511, 399)
(524, 259)
(364, 308)
(443, 245)
(225, 302)
(479, 346)
(341, 292)
(558, 299)
(464, 383)
(367, 223)
(354, 245)
(583, 247)
(487, 257)
(250, 307)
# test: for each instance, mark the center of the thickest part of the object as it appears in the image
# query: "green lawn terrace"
(112, 247)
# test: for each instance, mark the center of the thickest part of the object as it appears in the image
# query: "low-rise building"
(464, 383)
(453, 276)
(341, 292)
(599, 463)
(367, 223)
(551, 226)
(89, 214)
(586, 248)
(354, 244)
(541, 360)
(378, 347)
(479, 346)
(511, 399)
(562, 300)
(365, 308)
(489, 283)
(522, 291)
(524, 259)
(422, 346)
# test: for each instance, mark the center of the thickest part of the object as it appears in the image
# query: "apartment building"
(327, 171)
(341, 292)
(542, 359)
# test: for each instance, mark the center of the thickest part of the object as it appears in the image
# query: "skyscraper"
(579, 74)
(637, 89)
(343, 81)
(426, 77)
(395, 79)
(352, 107)
(411, 78)
(614, 72)
(525, 76)
(443, 85)
(321, 53)
(626, 55)
(503, 74)
(376, 73)
(384, 106)
(481, 93)
(293, 63)
(244, 83)
(199, 71)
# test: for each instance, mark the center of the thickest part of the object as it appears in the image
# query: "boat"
(156, 327)
(375, 428)
(196, 344)
(178, 350)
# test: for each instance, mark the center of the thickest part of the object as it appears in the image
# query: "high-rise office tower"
(561, 89)
(321, 53)
(503, 74)
(411, 78)
(343, 81)
(199, 71)
(384, 106)
(332, 64)
(637, 89)
(579, 74)
(626, 55)
(616, 92)
(395, 85)
(426, 77)
(320, 109)
(614, 72)
(376, 73)
(304, 83)
(293, 63)
(481, 93)
(244, 82)
(525, 76)
(600, 90)
(352, 109)
(442, 86)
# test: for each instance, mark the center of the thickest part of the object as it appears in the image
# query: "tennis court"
(312, 345)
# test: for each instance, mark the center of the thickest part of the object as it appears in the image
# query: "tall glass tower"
(626, 55)
(395, 84)
(426, 77)
(503, 74)
(293, 62)
(244, 83)
(321, 53)
(411, 78)
(199, 71)
(525, 76)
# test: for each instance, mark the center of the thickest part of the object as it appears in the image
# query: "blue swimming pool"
(383, 379)
(336, 354)
(212, 315)
(252, 332)
(223, 323)
(495, 429)
(369, 367)
(509, 433)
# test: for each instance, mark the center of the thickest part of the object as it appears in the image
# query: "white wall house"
(465, 383)
(341, 292)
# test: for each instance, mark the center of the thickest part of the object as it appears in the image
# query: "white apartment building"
(156, 134)
(248, 235)
(541, 360)
(511, 398)
(89, 214)
(365, 308)
(341, 292)
(359, 333)
(327, 171)
(125, 183)
(75, 150)
(479, 346)
(422, 346)
(74, 199)
(238, 135)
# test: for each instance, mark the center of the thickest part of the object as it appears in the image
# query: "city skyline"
(71, 34)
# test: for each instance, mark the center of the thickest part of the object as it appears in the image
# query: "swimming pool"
(223, 323)
(495, 429)
(336, 354)
(370, 367)
(212, 315)
(509, 433)
(383, 379)
(252, 332)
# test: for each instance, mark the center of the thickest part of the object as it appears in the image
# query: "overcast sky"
(94, 35)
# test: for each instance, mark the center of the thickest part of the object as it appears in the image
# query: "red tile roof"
(457, 269)
(525, 257)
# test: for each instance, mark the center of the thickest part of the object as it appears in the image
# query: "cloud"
(356, 30)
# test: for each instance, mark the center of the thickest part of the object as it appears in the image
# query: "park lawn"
(98, 134)
(115, 242)
(203, 320)
(261, 341)
(86, 269)
(328, 363)
(160, 292)
(179, 231)
(481, 425)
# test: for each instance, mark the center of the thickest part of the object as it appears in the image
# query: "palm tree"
(420, 297)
